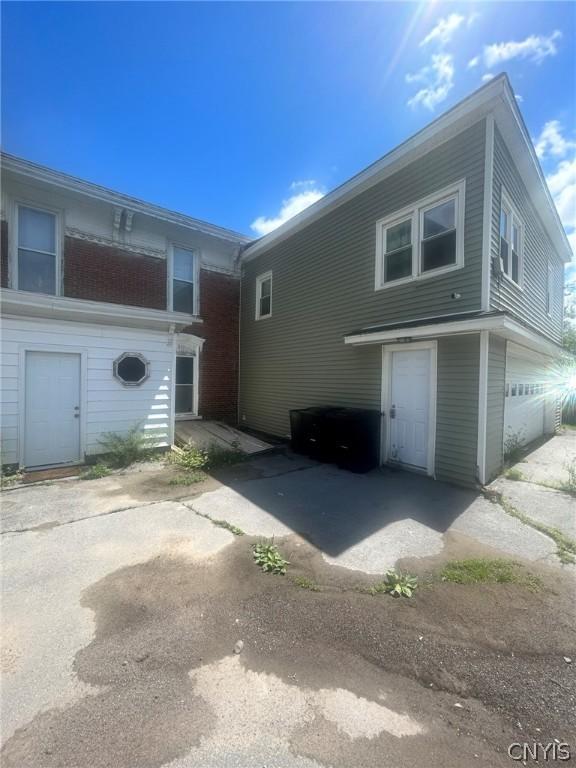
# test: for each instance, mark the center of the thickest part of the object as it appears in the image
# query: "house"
(115, 312)
(428, 287)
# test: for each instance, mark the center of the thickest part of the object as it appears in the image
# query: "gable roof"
(36, 172)
(496, 98)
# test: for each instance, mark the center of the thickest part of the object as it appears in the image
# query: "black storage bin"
(308, 432)
(353, 435)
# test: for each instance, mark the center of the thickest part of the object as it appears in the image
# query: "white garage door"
(527, 395)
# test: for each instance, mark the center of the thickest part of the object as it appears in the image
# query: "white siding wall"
(109, 405)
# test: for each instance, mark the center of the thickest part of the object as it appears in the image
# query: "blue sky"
(242, 114)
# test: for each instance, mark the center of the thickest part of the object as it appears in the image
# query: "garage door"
(526, 397)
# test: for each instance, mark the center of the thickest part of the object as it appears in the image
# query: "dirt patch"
(166, 629)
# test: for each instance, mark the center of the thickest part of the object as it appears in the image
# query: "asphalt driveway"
(121, 611)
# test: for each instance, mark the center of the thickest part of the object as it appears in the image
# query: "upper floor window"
(423, 240)
(511, 231)
(184, 280)
(37, 261)
(264, 296)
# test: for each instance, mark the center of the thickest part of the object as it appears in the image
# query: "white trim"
(82, 310)
(259, 282)
(514, 218)
(487, 213)
(385, 400)
(500, 324)
(194, 346)
(13, 246)
(197, 258)
(83, 354)
(28, 169)
(482, 405)
(415, 213)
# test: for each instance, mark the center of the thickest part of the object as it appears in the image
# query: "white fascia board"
(24, 304)
(35, 172)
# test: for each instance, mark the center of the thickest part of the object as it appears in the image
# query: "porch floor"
(205, 433)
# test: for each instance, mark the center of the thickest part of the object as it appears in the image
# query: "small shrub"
(95, 472)
(513, 448)
(124, 449)
(305, 583)
(191, 457)
(569, 485)
(9, 476)
(267, 556)
(396, 584)
(488, 571)
(514, 474)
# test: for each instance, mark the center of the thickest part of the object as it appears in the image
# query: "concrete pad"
(547, 463)
(42, 571)
(548, 506)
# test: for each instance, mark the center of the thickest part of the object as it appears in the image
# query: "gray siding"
(495, 406)
(323, 289)
(457, 409)
(528, 304)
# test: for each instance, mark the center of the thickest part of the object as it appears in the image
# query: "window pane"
(439, 252)
(504, 254)
(36, 230)
(515, 266)
(440, 219)
(131, 369)
(183, 298)
(183, 265)
(264, 306)
(184, 398)
(398, 265)
(266, 287)
(36, 272)
(503, 223)
(184, 370)
(515, 238)
(399, 236)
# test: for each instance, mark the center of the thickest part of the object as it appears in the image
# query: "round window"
(131, 369)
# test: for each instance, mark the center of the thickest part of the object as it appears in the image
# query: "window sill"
(516, 285)
(264, 317)
(416, 278)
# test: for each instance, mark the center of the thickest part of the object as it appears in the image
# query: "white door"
(526, 397)
(52, 409)
(410, 407)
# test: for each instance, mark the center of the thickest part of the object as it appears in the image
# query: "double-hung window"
(184, 275)
(185, 385)
(511, 232)
(423, 240)
(264, 296)
(37, 266)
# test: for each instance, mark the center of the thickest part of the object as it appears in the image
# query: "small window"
(398, 251)
(183, 282)
(514, 389)
(520, 390)
(184, 385)
(37, 251)
(131, 369)
(439, 236)
(511, 230)
(264, 296)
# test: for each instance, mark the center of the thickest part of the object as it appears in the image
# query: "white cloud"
(487, 77)
(305, 193)
(443, 31)
(519, 98)
(552, 142)
(562, 185)
(474, 16)
(534, 48)
(474, 62)
(438, 80)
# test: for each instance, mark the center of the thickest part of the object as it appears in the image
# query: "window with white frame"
(184, 275)
(549, 289)
(423, 240)
(37, 250)
(264, 296)
(511, 232)
(184, 384)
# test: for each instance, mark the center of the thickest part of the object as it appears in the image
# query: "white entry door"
(409, 409)
(52, 409)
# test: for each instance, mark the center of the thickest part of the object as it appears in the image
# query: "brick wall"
(4, 254)
(105, 273)
(219, 302)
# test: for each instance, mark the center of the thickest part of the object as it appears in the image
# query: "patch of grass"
(267, 555)
(192, 457)
(124, 449)
(569, 485)
(190, 478)
(513, 448)
(10, 476)
(223, 524)
(488, 571)
(513, 474)
(305, 583)
(396, 584)
(566, 546)
(95, 472)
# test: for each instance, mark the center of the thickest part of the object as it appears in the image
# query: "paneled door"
(409, 407)
(52, 409)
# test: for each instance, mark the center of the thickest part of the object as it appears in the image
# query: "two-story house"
(428, 287)
(115, 312)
